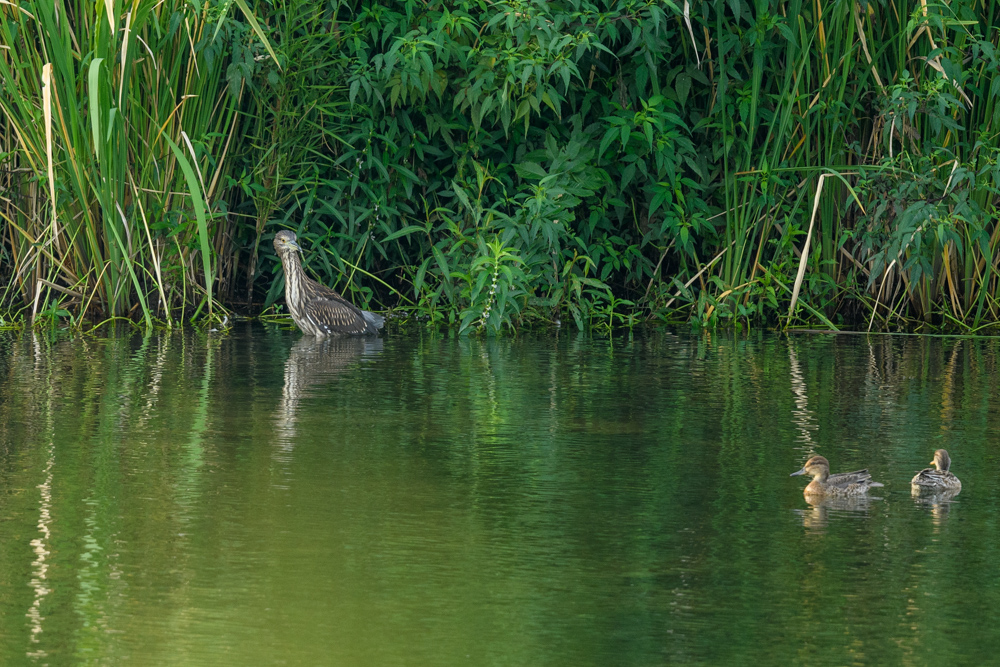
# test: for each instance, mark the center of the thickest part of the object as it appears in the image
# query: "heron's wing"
(335, 316)
(323, 292)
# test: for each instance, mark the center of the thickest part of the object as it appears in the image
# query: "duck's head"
(284, 242)
(941, 460)
(818, 467)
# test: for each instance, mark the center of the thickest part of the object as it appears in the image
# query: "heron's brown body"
(318, 310)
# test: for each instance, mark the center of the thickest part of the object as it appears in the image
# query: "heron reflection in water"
(312, 362)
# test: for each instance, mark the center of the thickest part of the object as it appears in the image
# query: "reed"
(116, 119)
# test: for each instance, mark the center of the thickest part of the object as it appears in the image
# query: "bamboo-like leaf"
(130, 266)
(50, 168)
(124, 57)
(93, 82)
(109, 6)
(200, 213)
(405, 231)
(257, 29)
(804, 259)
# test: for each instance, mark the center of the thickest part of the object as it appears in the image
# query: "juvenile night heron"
(316, 309)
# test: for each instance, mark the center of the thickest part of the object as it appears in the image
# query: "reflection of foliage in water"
(573, 498)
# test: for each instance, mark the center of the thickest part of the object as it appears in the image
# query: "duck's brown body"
(936, 479)
(841, 485)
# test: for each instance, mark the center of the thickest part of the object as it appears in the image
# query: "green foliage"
(489, 165)
(499, 121)
(640, 162)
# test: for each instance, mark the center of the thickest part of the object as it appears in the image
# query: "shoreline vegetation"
(497, 165)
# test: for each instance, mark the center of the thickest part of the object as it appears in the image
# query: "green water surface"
(259, 498)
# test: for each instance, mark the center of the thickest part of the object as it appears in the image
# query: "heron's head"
(284, 242)
(816, 467)
(941, 460)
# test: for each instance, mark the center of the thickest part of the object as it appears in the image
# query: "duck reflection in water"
(316, 361)
(840, 485)
(823, 508)
(938, 503)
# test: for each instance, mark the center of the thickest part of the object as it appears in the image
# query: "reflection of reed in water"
(313, 361)
(823, 509)
(801, 415)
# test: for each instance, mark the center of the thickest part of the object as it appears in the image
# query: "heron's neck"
(293, 278)
(292, 261)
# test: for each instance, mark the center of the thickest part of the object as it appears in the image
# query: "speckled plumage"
(318, 310)
(842, 485)
(936, 479)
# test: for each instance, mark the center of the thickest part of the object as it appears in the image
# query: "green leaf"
(609, 137)
(442, 263)
(682, 86)
(405, 231)
(662, 195)
(418, 281)
(530, 170)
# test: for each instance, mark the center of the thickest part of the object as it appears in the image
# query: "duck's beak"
(800, 472)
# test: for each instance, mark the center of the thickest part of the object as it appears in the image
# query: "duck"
(841, 485)
(936, 479)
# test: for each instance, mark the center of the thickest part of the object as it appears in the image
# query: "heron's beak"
(800, 472)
